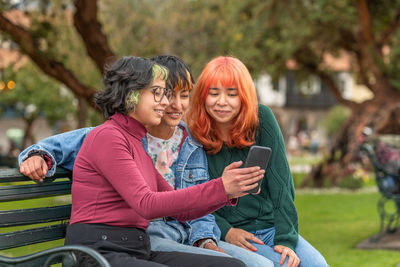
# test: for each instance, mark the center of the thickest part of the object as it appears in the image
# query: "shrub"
(351, 176)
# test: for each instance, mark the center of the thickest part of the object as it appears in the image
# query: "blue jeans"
(308, 255)
(251, 259)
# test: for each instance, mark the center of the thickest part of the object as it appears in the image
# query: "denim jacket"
(191, 169)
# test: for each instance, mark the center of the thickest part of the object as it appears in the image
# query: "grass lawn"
(335, 223)
(306, 159)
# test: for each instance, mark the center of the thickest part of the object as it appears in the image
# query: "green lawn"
(335, 223)
(306, 159)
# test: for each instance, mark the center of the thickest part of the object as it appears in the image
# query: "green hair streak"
(133, 99)
(160, 72)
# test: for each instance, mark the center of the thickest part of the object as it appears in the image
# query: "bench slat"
(34, 215)
(32, 236)
(13, 175)
(18, 192)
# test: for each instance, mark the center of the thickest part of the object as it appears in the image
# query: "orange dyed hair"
(182, 82)
(228, 72)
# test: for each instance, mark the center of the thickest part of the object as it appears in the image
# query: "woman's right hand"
(239, 180)
(34, 167)
(241, 238)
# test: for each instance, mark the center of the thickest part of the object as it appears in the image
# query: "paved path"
(388, 241)
(336, 190)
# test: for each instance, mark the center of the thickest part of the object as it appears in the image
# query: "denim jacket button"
(141, 238)
(190, 175)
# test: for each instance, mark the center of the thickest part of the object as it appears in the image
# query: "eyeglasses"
(159, 92)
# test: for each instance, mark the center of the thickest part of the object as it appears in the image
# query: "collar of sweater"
(130, 125)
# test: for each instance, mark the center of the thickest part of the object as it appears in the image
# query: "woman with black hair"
(116, 189)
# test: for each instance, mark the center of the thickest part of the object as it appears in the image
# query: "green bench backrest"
(380, 170)
(13, 187)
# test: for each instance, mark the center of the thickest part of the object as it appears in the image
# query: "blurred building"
(301, 105)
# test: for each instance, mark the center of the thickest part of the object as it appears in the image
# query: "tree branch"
(330, 83)
(365, 21)
(89, 28)
(368, 48)
(29, 46)
(348, 41)
(391, 29)
(362, 68)
(311, 62)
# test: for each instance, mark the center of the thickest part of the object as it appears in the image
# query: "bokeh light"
(2, 85)
(11, 85)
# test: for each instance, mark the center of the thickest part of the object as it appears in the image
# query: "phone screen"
(258, 156)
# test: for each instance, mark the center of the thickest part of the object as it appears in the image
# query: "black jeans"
(124, 246)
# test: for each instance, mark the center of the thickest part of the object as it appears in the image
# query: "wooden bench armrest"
(54, 255)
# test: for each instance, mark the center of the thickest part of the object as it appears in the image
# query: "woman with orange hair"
(226, 118)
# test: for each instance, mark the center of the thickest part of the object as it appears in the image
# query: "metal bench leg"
(389, 220)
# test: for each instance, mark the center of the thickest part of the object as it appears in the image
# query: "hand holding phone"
(258, 156)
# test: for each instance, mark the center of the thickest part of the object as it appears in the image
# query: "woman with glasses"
(226, 118)
(116, 189)
(177, 156)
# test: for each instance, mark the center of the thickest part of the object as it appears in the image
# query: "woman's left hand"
(293, 260)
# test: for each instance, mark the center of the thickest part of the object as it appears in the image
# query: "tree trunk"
(29, 139)
(377, 114)
(82, 112)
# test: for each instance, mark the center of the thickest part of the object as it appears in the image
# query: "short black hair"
(179, 74)
(120, 79)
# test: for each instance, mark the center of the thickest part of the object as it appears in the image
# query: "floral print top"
(165, 153)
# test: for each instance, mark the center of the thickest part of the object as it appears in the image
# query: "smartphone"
(258, 156)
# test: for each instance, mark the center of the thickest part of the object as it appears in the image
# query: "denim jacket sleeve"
(204, 227)
(62, 149)
(191, 170)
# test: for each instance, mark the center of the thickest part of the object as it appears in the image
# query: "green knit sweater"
(274, 206)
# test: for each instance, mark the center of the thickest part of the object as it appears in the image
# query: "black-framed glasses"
(159, 92)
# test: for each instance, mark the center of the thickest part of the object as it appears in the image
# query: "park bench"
(387, 180)
(41, 224)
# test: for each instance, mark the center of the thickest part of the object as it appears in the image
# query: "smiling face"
(177, 107)
(148, 111)
(173, 114)
(223, 105)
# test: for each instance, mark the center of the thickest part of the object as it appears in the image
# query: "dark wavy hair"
(179, 74)
(123, 78)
